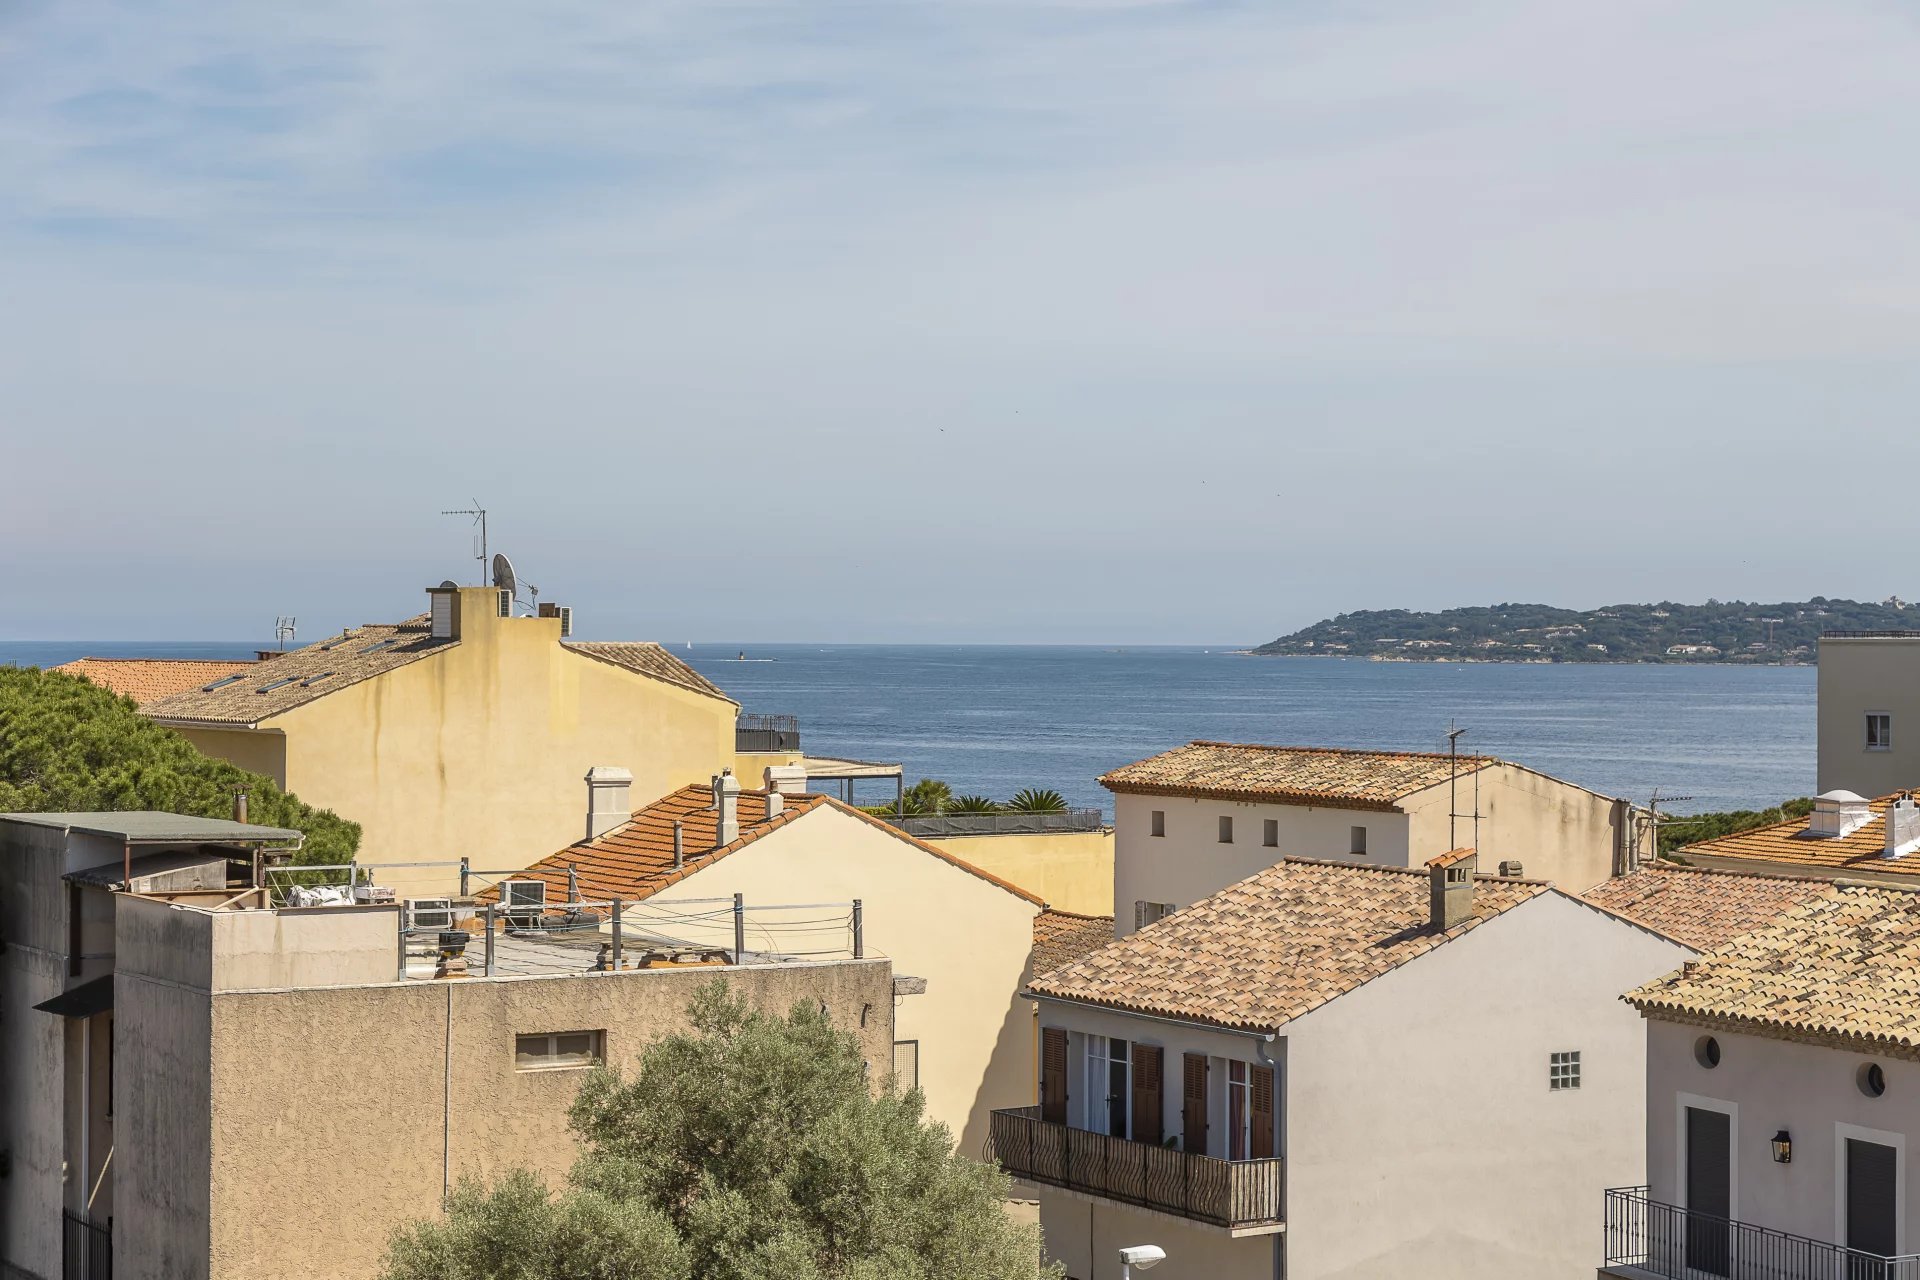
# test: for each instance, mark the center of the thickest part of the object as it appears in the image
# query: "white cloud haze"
(952, 321)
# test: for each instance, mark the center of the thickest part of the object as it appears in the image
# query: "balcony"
(87, 1249)
(761, 733)
(1244, 1196)
(998, 824)
(1645, 1238)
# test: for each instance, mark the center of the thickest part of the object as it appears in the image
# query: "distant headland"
(1733, 631)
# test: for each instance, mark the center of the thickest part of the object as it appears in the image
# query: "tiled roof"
(1277, 945)
(647, 659)
(145, 679)
(1702, 907)
(635, 860)
(1843, 969)
(1290, 775)
(299, 677)
(1062, 937)
(1788, 844)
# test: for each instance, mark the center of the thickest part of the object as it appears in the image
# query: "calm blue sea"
(993, 719)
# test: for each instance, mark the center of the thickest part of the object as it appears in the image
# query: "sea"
(991, 719)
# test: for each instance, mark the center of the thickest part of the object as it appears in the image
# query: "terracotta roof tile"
(1062, 937)
(1277, 945)
(1844, 968)
(302, 675)
(1290, 775)
(145, 679)
(1788, 844)
(1702, 907)
(647, 659)
(635, 860)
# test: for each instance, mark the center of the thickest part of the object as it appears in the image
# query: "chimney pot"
(679, 845)
(239, 806)
(609, 799)
(1450, 888)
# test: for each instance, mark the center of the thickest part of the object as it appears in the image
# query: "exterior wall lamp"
(1783, 1147)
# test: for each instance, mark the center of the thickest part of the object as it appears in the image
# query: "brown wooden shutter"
(1261, 1123)
(1148, 1112)
(1053, 1075)
(1193, 1105)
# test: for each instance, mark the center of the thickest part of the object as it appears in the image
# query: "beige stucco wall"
(1768, 1085)
(1189, 862)
(1071, 870)
(1086, 1235)
(257, 750)
(1555, 830)
(969, 938)
(1858, 676)
(1421, 1135)
(482, 749)
(316, 947)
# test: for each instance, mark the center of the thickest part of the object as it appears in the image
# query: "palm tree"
(1032, 800)
(927, 796)
(973, 804)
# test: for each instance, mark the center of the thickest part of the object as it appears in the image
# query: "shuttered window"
(1193, 1103)
(1147, 1094)
(1053, 1075)
(1262, 1122)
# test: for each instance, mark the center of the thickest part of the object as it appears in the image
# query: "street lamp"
(1143, 1256)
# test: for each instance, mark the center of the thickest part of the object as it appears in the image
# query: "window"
(1706, 1052)
(311, 681)
(1226, 830)
(1159, 822)
(1356, 839)
(1239, 1111)
(1563, 1070)
(221, 683)
(277, 684)
(1879, 731)
(1146, 913)
(1270, 833)
(561, 1049)
(906, 1063)
(1109, 1085)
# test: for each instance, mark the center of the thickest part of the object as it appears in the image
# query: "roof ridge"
(1664, 865)
(1335, 751)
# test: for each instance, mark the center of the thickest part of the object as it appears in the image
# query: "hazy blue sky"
(953, 321)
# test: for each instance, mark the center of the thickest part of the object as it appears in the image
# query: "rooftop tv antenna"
(479, 514)
(283, 630)
(1454, 733)
(505, 579)
(1654, 818)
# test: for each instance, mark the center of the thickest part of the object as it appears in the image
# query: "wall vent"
(1512, 870)
(566, 622)
(506, 603)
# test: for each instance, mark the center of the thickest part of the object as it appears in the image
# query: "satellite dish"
(503, 575)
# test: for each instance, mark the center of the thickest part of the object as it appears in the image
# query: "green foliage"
(1033, 800)
(1738, 630)
(973, 804)
(926, 797)
(1676, 833)
(750, 1149)
(67, 744)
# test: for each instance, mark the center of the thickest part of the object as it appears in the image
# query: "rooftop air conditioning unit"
(430, 914)
(524, 901)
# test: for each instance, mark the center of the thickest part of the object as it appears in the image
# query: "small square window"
(1879, 731)
(1159, 827)
(1356, 839)
(1563, 1070)
(557, 1051)
(1270, 833)
(1226, 830)
(1146, 913)
(906, 1063)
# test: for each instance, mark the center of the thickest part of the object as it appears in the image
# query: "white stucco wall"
(1189, 862)
(1769, 1085)
(1422, 1138)
(1858, 676)
(1555, 830)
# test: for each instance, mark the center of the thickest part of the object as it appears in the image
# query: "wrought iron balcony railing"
(1666, 1240)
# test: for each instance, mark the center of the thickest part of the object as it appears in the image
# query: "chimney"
(789, 779)
(726, 801)
(609, 802)
(1903, 827)
(776, 804)
(1450, 888)
(679, 845)
(239, 806)
(1836, 814)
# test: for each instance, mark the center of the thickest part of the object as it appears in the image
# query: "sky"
(952, 320)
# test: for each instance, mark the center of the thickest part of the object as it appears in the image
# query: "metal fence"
(1226, 1193)
(992, 824)
(86, 1248)
(1666, 1240)
(766, 733)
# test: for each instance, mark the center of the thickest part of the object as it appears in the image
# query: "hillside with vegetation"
(68, 745)
(1730, 631)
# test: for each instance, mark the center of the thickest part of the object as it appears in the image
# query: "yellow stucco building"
(464, 732)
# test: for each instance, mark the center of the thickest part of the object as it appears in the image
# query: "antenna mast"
(1453, 781)
(283, 631)
(479, 514)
